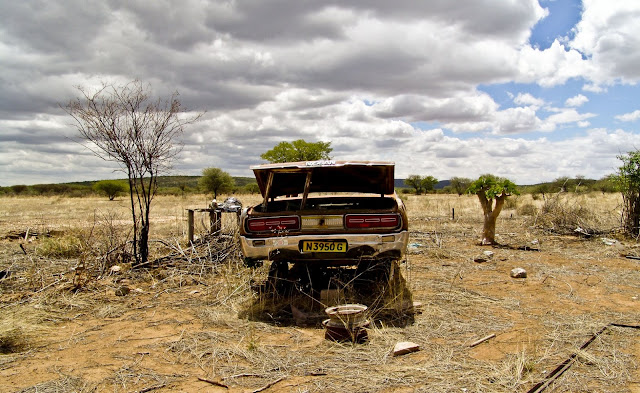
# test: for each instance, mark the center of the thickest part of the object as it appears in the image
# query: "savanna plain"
(76, 317)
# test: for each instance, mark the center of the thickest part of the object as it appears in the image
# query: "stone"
(519, 273)
(405, 347)
(480, 259)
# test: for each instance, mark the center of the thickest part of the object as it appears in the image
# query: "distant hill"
(173, 181)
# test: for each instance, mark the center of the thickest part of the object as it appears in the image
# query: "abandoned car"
(325, 213)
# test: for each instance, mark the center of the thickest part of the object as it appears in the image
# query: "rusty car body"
(329, 213)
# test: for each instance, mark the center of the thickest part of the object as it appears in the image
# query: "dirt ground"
(198, 320)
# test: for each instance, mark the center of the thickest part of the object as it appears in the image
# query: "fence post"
(190, 225)
(453, 213)
(215, 220)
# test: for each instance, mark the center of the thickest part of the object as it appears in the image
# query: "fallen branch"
(267, 386)
(213, 382)
(150, 388)
(483, 339)
(243, 375)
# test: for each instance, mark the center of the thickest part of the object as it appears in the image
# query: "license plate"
(324, 246)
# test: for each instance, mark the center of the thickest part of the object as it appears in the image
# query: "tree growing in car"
(492, 191)
(298, 150)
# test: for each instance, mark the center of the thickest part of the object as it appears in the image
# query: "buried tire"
(278, 279)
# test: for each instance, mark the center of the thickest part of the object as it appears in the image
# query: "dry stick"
(150, 388)
(267, 386)
(564, 366)
(243, 375)
(478, 342)
(213, 382)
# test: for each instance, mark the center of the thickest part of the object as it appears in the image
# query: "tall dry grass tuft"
(583, 214)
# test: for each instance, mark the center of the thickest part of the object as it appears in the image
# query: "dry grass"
(200, 313)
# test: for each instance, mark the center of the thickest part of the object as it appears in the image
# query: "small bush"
(67, 246)
(527, 209)
(562, 216)
(511, 203)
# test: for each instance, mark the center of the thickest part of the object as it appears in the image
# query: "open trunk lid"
(294, 178)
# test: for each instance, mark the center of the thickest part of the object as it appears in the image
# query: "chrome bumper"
(254, 248)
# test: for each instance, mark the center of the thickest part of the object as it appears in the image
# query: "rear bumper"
(360, 246)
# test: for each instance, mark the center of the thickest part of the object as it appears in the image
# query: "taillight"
(372, 221)
(273, 224)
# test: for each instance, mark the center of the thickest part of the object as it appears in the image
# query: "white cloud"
(576, 101)
(565, 117)
(552, 66)
(633, 116)
(528, 100)
(609, 34)
(358, 74)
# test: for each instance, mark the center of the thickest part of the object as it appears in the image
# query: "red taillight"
(273, 224)
(372, 221)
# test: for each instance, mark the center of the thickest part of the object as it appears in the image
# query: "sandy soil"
(200, 323)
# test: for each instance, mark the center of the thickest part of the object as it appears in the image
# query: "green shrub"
(110, 188)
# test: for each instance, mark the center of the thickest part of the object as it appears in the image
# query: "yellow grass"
(199, 315)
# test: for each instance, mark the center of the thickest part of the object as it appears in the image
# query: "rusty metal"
(347, 322)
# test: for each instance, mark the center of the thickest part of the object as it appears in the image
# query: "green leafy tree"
(252, 188)
(298, 150)
(110, 188)
(492, 192)
(628, 178)
(607, 184)
(562, 184)
(215, 180)
(460, 184)
(414, 181)
(428, 183)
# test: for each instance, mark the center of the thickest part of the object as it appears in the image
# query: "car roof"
(290, 178)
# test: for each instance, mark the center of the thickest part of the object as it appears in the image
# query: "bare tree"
(122, 123)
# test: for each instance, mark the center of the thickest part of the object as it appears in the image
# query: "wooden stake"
(482, 340)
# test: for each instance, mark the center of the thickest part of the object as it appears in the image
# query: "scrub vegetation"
(77, 318)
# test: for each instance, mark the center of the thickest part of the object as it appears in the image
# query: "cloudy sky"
(530, 89)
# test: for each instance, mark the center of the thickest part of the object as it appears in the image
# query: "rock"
(405, 347)
(122, 291)
(484, 257)
(519, 273)
(115, 268)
